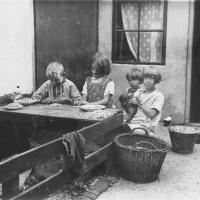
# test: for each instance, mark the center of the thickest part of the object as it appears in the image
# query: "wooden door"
(195, 89)
(65, 31)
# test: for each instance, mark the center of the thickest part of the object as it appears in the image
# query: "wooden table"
(12, 167)
(59, 111)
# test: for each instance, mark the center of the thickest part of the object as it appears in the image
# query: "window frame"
(115, 31)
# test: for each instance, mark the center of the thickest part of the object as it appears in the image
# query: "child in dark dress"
(99, 88)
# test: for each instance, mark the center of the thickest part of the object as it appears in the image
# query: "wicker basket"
(140, 157)
(183, 138)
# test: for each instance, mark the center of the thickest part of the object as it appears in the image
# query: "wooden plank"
(95, 130)
(30, 158)
(41, 189)
(10, 188)
(74, 41)
(61, 111)
(11, 167)
(97, 157)
(57, 180)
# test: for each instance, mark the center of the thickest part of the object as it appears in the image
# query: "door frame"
(189, 65)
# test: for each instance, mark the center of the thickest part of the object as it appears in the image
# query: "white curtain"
(130, 13)
(151, 17)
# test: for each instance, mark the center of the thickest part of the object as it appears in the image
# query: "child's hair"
(102, 64)
(134, 74)
(152, 72)
(54, 67)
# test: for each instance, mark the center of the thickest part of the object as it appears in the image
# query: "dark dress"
(96, 91)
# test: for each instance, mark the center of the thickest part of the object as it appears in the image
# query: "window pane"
(139, 18)
(130, 13)
(126, 46)
(119, 23)
(151, 15)
(151, 46)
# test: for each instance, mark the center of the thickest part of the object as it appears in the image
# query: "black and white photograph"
(99, 99)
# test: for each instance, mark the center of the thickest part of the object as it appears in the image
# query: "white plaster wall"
(16, 45)
(173, 85)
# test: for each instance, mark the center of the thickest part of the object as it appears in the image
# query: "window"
(139, 31)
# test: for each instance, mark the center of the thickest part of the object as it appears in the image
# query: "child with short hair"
(134, 78)
(149, 100)
(99, 88)
(57, 89)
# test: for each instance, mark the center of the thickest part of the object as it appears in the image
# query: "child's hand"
(47, 101)
(76, 102)
(139, 101)
(133, 101)
(126, 121)
(84, 102)
(64, 100)
(137, 94)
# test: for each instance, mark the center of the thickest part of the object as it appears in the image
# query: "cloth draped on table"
(74, 146)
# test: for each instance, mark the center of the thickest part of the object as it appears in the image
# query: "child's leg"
(138, 129)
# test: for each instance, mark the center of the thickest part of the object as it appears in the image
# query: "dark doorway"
(65, 31)
(195, 89)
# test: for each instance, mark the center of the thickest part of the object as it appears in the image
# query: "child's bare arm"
(104, 101)
(148, 111)
(84, 99)
(41, 93)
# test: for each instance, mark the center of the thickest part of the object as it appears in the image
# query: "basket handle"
(144, 142)
(146, 132)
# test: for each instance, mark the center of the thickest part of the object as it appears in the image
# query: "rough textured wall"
(16, 45)
(174, 72)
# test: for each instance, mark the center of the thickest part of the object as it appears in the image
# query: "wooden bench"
(12, 167)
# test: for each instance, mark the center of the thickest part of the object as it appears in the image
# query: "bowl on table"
(13, 106)
(26, 101)
(90, 108)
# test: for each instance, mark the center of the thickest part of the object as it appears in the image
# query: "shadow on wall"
(170, 109)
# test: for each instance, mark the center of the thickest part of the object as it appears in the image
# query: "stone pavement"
(93, 191)
(179, 179)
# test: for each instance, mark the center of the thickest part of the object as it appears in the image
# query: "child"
(149, 100)
(134, 78)
(99, 88)
(57, 89)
